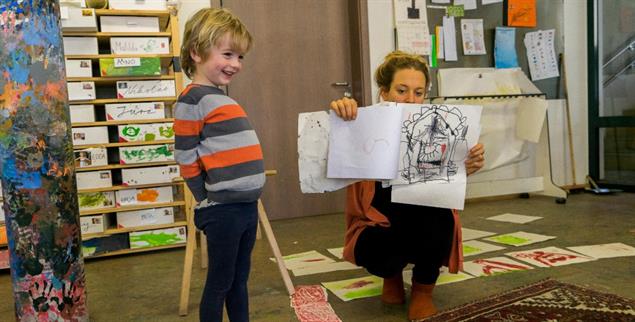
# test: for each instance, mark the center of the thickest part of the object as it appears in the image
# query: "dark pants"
(423, 239)
(231, 234)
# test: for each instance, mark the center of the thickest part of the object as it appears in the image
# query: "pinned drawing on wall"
(411, 22)
(473, 37)
(521, 13)
(449, 38)
(541, 54)
(467, 4)
(505, 48)
(439, 40)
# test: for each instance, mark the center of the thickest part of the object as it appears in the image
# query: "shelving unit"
(107, 204)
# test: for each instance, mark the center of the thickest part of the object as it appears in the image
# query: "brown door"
(301, 48)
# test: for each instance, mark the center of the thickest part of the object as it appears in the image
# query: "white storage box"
(80, 46)
(82, 113)
(94, 179)
(96, 200)
(90, 135)
(91, 157)
(146, 153)
(79, 68)
(139, 45)
(145, 217)
(149, 175)
(144, 196)
(159, 237)
(81, 91)
(142, 89)
(78, 19)
(93, 224)
(138, 4)
(145, 132)
(135, 111)
(129, 24)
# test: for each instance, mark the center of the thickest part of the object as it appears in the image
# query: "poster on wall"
(505, 48)
(541, 55)
(411, 22)
(521, 13)
(473, 37)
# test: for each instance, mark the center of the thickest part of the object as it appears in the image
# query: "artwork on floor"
(38, 173)
(324, 268)
(493, 266)
(605, 250)
(475, 247)
(310, 303)
(549, 257)
(519, 238)
(304, 260)
(514, 218)
(356, 288)
(445, 277)
(337, 252)
(469, 234)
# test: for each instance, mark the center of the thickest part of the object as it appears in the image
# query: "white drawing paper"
(313, 138)
(304, 260)
(541, 54)
(469, 234)
(411, 22)
(440, 1)
(473, 37)
(467, 4)
(367, 147)
(445, 277)
(475, 247)
(514, 218)
(549, 257)
(531, 117)
(449, 38)
(486, 2)
(493, 266)
(605, 250)
(324, 268)
(519, 238)
(337, 252)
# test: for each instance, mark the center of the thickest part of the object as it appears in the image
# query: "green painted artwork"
(95, 200)
(150, 66)
(356, 288)
(467, 250)
(146, 132)
(451, 278)
(156, 238)
(147, 153)
(455, 11)
(509, 240)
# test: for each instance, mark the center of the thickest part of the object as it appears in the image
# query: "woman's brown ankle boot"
(421, 305)
(393, 292)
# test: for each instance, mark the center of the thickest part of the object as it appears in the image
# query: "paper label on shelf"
(64, 13)
(127, 62)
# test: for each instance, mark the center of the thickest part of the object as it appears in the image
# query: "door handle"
(348, 91)
(342, 84)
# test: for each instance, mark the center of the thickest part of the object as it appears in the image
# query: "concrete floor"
(146, 287)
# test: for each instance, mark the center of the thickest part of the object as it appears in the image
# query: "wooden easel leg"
(264, 221)
(204, 258)
(190, 247)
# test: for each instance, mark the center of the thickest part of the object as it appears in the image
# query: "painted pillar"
(36, 162)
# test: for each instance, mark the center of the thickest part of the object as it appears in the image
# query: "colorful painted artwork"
(519, 238)
(304, 260)
(146, 132)
(96, 200)
(144, 196)
(549, 257)
(150, 66)
(475, 247)
(38, 176)
(493, 266)
(146, 153)
(356, 288)
(521, 13)
(159, 237)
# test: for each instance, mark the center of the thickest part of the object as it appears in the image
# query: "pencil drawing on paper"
(432, 135)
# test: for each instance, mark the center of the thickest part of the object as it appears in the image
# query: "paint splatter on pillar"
(36, 162)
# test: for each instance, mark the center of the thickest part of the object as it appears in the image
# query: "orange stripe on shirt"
(232, 157)
(190, 170)
(187, 89)
(225, 112)
(187, 127)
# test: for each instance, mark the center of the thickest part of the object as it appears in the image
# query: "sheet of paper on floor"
(475, 247)
(519, 238)
(305, 294)
(313, 138)
(324, 268)
(549, 256)
(605, 250)
(316, 312)
(337, 252)
(367, 147)
(445, 277)
(472, 35)
(493, 266)
(514, 218)
(355, 288)
(469, 234)
(304, 260)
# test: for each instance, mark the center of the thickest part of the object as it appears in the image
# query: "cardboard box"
(150, 66)
(94, 179)
(149, 175)
(93, 224)
(78, 19)
(91, 157)
(159, 237)
(142, 89)
(138, 4)
(90, 135)
(129, 24)
(135, 111)
(139, 45)
(79, 68)
(81, 46)
(143, 196)
(102, 245)
(82, 113)
(146, 153)
(81, 91)
(96, 200)
(145, 132)
(145, 217)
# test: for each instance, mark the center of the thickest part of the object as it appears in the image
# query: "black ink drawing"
(432, 135)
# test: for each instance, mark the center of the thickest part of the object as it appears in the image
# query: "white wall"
(187, 8)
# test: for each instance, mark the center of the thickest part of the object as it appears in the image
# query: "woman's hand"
(346, 108)
(476, 159)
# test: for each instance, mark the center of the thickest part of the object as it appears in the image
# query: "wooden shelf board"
(142, 186)
(107, 123)
(113, 231)
(119, 56)
(113, 80)
(124, 100)
(130, 208)
(122, 144)
(125, 166)
(144, 13)
(105, 35)
(137, 250)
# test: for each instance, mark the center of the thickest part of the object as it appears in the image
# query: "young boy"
(220, 158)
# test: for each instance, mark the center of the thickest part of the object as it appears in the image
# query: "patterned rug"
(546, 300)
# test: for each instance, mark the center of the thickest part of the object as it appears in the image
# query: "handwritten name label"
(139, 89)
(127, 62)
(140, 45)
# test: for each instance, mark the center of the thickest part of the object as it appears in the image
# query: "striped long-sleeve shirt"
(217, 149)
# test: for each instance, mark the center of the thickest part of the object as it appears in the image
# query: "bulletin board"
(549, 14)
